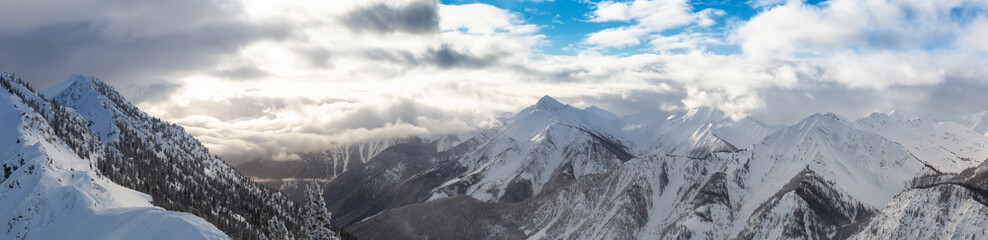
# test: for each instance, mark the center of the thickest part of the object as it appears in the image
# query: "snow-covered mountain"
(50, 191)
(542, 145)
(289, 177)
(551, 143)
(323, 165)
(83, 163)
(953, 206)
(975, 121)
(695, 133)
(947, 147)
(554, 171)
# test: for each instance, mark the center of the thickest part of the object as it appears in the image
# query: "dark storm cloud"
(562, 75)
(395, 56)
(447, 57)
(139, 48)
(952, 97)
(243, 73)
(443, 57)
(957, 96)
(153, 92)
(417, 17)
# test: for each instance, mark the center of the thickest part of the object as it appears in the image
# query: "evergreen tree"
(316, 219)
(277, 230)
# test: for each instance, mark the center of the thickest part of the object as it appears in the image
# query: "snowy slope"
(809, 180)
(53, 193)
(946, 146)
(690, 134)
(447, 142)
(870, 167)
(106, 112)
(553, 171)
(975, 121)
(693, 133)
(821, 163)
(551, 143)
(941, 206)
(543, 144)
(938, 212)
(125, 146)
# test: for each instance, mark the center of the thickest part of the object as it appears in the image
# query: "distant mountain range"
(555, 171)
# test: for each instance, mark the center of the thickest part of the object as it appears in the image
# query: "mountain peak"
(76, 80)
(704, 114)
(828, 116)
(600, 112)
(828, 122)
(549, 103)
(97, 102)
(81, 78)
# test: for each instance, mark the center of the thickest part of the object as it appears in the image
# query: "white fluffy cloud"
(797, 28)
(867, 44)
(654, 15)
(975, 35)
(648, 19)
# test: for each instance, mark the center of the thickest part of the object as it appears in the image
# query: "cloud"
(482, 19)
(232, 108)
(318, 57)
(647, 20)
(444, 56)
(652, 14)
(974, 35)
(685, 41)
(122, 41)
(283, 156)
(274, 78)
(762, 4)
(153, 92)
(243, 73)
(416, 17)
(796, 28)
(617, 37)
(246, 127)
(952, 97)
(883, 69)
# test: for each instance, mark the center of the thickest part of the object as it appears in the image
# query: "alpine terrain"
(553, 171)
(81, 162)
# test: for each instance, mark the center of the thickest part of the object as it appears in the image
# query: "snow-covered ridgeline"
(51, 192)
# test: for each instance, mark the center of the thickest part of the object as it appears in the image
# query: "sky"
(260, 78)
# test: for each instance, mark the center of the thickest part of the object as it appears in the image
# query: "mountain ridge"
(825, 169)
(56, 178)
(158, 161)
